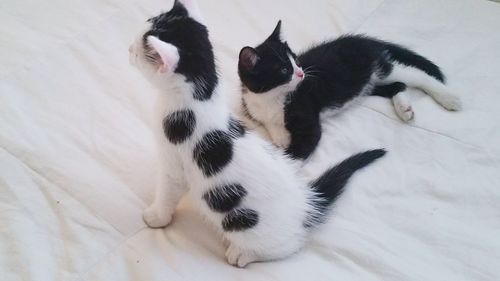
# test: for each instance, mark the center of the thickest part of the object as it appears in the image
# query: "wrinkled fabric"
(77, 159)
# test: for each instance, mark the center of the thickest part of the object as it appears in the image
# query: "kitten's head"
(175, 48)
(270, 65)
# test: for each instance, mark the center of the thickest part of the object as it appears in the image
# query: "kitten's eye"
(284, 70)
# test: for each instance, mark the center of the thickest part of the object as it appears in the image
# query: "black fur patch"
(389, 90)
(179, 126)
(225, 198)
(213, 152)
(304, 126)
(196, 61)
(236, 128)
(240, 219)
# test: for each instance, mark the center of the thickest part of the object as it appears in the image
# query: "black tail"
(410, 58)
(330, 185)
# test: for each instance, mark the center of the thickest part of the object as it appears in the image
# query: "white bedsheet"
(77, 158)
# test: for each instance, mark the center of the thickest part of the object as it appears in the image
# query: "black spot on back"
(224, 198)
(236, 128)
(213, 152)
(240, 219)
(179, 125)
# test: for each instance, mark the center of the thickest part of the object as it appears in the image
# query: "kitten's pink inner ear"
(248, 58)
(168, 53)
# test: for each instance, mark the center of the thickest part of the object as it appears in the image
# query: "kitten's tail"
(410, 58)
(330, 185)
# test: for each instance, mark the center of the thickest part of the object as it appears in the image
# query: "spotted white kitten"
(247, 189)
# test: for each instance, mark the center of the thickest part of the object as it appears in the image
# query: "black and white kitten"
(244, 186)
(286, 93)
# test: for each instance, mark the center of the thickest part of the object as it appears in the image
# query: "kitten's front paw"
(155, 217)
(282, 140)
(238, 258)
(450, 102)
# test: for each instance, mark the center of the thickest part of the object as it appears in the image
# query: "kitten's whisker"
(312, 71)
(307, 68)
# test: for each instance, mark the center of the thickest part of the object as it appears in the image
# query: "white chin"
(294, 83)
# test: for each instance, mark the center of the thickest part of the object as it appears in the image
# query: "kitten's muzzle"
(300, 73)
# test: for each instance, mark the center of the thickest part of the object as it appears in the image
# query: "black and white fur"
(245, 187)
(286, 93)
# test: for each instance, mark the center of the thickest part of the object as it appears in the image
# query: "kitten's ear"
(192, 8)
(248, 58)
(276, 35)
(169, 55)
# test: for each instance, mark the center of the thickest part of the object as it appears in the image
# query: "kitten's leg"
(242, 257)
(305, 131)
(169, 190)
(416, 78)
(279, 135)
(238, 257)
(397, 92)
(388, 90)
(403, 107)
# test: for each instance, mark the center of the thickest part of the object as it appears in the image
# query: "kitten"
(286, 93)
(244, 186)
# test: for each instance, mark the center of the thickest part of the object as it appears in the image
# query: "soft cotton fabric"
(77, 160)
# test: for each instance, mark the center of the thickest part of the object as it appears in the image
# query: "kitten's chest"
(267, 109)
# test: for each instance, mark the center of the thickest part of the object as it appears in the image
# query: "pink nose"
(300, 74)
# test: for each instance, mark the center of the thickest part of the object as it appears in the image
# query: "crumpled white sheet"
(77, 159)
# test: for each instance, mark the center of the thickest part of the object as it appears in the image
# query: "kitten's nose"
(300, 73)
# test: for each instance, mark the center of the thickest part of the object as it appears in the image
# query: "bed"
(77, 159)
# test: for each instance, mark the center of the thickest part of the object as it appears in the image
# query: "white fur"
(416, 78)
(267, 108)
(263, 170)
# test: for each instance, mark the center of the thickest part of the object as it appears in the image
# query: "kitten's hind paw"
(155, 217)
(403, 107)
(405, 112)
(238, 257)
(450, 102)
